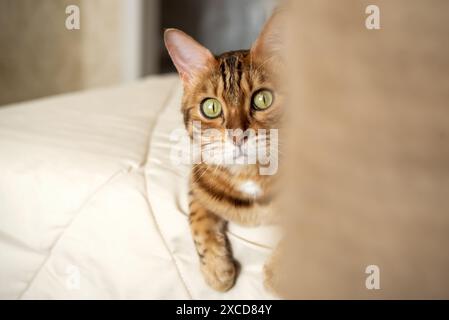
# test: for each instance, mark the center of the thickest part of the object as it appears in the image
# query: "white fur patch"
(251, 188)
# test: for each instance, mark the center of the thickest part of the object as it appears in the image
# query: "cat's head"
(235, 94)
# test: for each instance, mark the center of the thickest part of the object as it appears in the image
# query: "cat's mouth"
(235, 155)
(249, 153)
(242, 156)
(227, 152)
(240, 152)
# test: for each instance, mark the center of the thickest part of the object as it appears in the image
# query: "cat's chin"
(238, 168)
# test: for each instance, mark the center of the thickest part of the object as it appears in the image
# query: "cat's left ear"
(189, 57)
(270, 40)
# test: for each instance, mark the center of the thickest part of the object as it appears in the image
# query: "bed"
(91, 207)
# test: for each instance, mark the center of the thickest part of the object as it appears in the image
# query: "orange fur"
(216, 194)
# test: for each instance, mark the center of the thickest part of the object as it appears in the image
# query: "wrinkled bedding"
(91, 207)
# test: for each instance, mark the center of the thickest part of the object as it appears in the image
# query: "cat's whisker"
(216, 167)
(202, 174)
(264, 62)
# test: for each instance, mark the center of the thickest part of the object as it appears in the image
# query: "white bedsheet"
(91, 206)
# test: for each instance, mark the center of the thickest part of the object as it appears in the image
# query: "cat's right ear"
(188, 56)
(270, 40)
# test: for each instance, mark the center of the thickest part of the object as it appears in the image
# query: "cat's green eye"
(211, 108)
(262, 100)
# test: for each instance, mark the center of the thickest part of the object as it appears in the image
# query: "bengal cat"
(237, 90)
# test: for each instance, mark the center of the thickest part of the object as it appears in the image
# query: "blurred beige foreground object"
(369, 151)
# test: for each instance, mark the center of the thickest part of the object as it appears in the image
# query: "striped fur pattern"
(222, 193)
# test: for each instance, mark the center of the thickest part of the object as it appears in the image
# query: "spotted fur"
(216, 196)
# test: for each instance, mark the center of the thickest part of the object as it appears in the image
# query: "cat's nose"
(238, 139)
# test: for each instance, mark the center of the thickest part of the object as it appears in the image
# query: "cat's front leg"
(271, 272)
(208, 231)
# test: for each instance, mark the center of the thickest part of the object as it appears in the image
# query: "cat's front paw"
(269, 278)
(219, 271)
(271, 273)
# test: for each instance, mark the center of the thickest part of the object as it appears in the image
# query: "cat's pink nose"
(239, 140)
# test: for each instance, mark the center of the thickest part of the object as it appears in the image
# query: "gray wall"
(218, 24)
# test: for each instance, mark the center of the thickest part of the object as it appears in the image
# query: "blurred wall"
(40, 57)
(101, 40)
(219, 25)
(151, 36)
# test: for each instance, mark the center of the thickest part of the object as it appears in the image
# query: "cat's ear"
(270, 40)
(188, 56)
